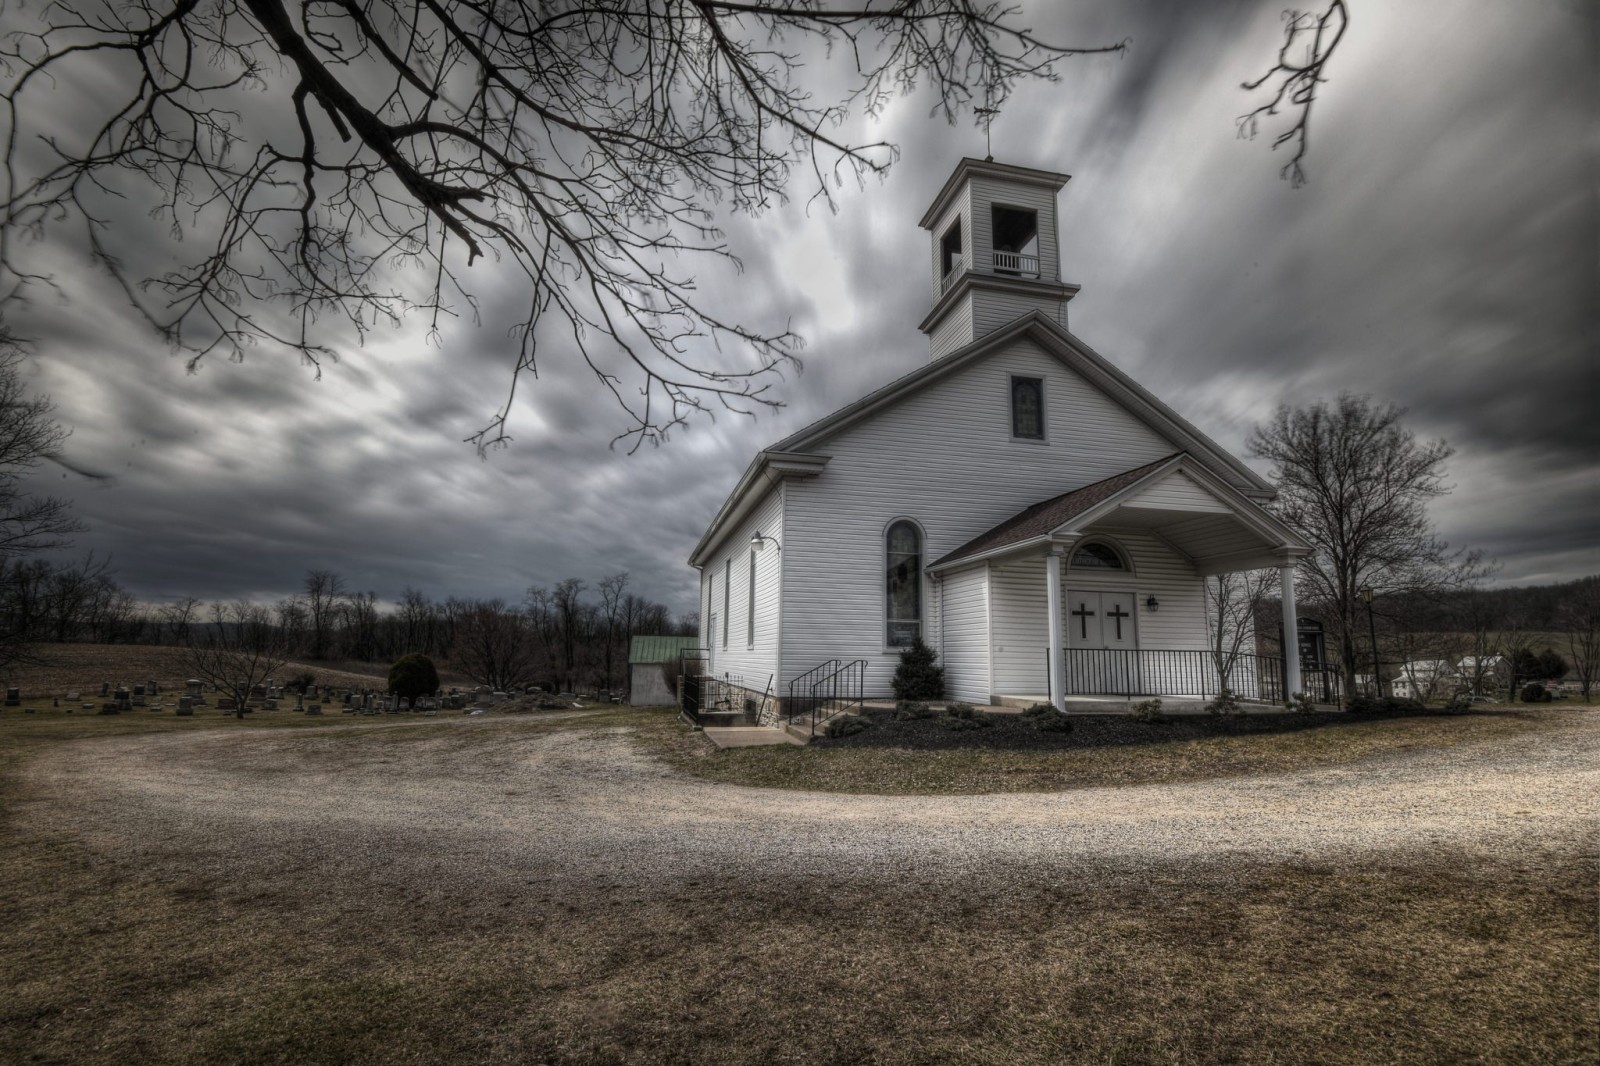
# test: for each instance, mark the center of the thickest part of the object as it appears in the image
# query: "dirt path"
(481, 800)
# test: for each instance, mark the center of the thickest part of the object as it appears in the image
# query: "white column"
(1291, 632)
(1058, 672)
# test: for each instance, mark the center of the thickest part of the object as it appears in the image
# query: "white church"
(1036, 516)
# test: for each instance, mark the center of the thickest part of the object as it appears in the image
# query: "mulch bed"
(1011, 732)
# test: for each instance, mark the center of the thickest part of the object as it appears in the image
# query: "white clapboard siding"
(965, 622)
(988, 191)
(945, 458)
(1020, 626)
(954, 329)
(992, 309)
(757, 662)
(1178, 492)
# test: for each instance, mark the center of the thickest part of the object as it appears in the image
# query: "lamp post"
(1372, 631)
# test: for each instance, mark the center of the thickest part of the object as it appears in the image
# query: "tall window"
(903, 587)
(750, 608)
(1027, 408)
(727, 581)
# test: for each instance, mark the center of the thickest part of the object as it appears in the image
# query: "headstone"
(138, 690)
(270, 704)
(13, 697)
(299, 701)
(225, 703)
(185, 707)
(121, 694)
(105, 689)
(74, 697)
(194, 686)
(315, 708)
(150, 687)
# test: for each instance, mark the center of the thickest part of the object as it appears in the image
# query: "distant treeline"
(567, 636)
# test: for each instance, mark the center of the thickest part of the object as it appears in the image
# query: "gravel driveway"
(484, 800)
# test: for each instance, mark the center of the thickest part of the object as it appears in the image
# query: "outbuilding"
(653, 669)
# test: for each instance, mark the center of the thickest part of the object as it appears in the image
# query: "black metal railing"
(692, 669)
(825, 691)
(1156, 672)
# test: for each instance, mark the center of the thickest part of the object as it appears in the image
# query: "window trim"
(1098, 571)
(922, 579)
(945, 266)
(1011, 409)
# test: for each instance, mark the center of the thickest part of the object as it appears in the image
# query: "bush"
(846, 725)
(1039, 710)
(1534, 693)
(912, 711)
(1386, 705)
(412, 676)
(1226, 705)
(959, 716)
(919, 677)
(1054, 722)
(1460, 703)
(1147, 711)
(1300, 703)
(303, 682)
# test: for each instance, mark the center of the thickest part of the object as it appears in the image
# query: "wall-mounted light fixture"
(1151, 603)
(759, 542)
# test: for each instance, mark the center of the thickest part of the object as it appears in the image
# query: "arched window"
(903, 584)
(1097, 556)
(1027, 408)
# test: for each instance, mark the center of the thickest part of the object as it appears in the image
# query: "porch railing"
(821, 693)
(1016, 263)
(954, 271)
(1155, 672)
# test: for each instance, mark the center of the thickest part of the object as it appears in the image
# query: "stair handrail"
(854, 670)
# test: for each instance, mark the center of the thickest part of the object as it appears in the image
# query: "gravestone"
(74, 697)
(13, 697)
(194, 686)
(315, 708)
(270, 704)
(105, 689)
(138, 690)
(225, 703)
(185, 707)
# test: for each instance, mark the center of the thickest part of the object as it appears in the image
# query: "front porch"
(1101, 592)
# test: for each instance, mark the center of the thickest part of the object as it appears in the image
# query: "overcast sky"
(1443, 255)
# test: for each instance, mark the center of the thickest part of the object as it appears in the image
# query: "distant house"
(1425, 679)
(1478, 672)
(653, 669)
(1019, 503)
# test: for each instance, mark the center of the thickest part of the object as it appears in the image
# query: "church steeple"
(995, 252)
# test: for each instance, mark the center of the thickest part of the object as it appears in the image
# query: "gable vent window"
(903, 588)
(1097, 557)
(1027, 408)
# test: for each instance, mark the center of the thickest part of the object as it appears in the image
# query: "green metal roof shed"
(659, 649)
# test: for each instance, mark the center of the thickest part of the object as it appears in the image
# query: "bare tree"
(494, 645)
(611, 595)
(176, 617)
(239, 648)
(1356, 483)
(1233, 602)
(325, 592)
(1580, 617)
(294, 620)
(1309, 42)
(29, 437)
(350, 161)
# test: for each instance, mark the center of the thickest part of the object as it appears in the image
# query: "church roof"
(1038, 520)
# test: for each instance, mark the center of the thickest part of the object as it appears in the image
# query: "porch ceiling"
(1214, 543)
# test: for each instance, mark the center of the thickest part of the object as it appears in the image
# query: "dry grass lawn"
(175, 954)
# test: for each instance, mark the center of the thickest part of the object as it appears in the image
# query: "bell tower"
(995, 252)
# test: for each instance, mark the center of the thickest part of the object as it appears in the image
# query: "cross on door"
(1083, 614)
(1119, 614)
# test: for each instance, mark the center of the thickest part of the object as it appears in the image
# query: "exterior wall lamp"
(1151, 603)
(760, 542)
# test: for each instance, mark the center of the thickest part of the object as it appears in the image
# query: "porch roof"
(1197, 515)
(1038, 521)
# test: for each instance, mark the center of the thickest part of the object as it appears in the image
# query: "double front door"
(1100, 642)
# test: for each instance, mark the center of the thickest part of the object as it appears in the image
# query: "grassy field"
(175, 953)
(82, 667)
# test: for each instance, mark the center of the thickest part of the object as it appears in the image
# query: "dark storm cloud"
(1442, 256)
